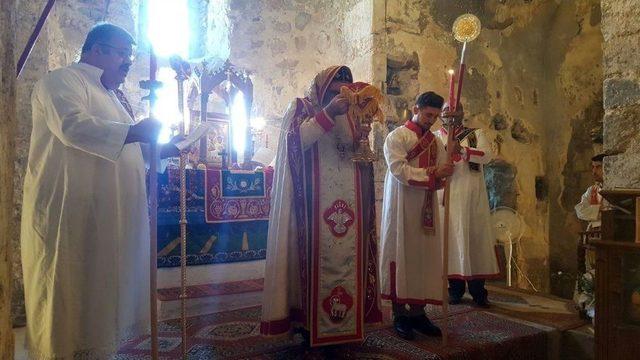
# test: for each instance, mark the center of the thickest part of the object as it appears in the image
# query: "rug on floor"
(206, 290)
(235, 334)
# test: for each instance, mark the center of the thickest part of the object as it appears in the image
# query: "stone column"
(7, 155)
(621, 32)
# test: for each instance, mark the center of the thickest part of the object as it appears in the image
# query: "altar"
(227, 199)
(227, 216)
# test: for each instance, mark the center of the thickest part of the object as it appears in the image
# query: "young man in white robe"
(472, 257)
(85, 222)
(320, 272)
(589, 209)
(591, 202)
(411, 239)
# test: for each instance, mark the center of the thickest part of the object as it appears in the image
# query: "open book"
(193, 136)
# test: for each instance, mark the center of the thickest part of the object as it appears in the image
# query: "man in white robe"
(85, 230)
(589, 209)
(320, 271)
(472, 257)
(591, 202)
(411, 239)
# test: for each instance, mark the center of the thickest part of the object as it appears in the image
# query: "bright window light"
(258, 123)
(166, 106)
(239, 123)
(217, 39)
(168, 27)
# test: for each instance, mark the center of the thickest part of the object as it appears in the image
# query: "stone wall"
(420, 49)
(572, 111)
(284, 44)
(539, 103)
(621, 31)
(7, 155)
(27, 13)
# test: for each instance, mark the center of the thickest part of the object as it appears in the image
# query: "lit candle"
(460, 78)
(460, 75)
(452, 85)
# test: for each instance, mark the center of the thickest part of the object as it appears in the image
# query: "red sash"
(426, 150)
(595, 191)
(425, 144)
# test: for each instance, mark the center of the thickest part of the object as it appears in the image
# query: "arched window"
(195, 30)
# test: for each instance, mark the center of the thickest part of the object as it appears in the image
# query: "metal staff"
(466, 28)
(152, 85)
(183, 71)
(445, 242)
(34, 36)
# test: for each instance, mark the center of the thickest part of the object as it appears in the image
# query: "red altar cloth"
(237, 195)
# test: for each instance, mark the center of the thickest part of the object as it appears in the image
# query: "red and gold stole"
(426, 150)
(125, 102)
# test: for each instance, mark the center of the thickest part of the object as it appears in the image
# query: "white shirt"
(410, 257)
(588, 209)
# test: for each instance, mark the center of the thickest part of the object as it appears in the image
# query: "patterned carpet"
(225, 335)
(199, 291)
(234, 334)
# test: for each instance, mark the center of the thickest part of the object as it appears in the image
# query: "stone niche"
(402, 81)
(500, 177)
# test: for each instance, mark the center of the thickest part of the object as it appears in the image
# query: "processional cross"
(466, 28)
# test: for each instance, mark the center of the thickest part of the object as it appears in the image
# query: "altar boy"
(411, 236)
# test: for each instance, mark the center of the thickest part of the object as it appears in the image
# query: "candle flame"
(451, 72)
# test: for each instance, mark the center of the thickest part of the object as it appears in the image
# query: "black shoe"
(482, 303)
(306, 343)
(403, 327)
(332, 351)
(455, 300)
(424, 325)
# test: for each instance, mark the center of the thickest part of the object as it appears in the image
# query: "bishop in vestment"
(320, 271)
